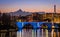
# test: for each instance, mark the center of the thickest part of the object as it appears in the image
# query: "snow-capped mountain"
(20, 12)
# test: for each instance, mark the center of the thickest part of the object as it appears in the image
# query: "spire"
(54, 8)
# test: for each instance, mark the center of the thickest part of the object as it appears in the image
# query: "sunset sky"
(29, 5)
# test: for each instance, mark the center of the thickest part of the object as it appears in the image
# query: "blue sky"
(29, 5)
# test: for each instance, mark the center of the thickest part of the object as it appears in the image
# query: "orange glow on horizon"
(28, 10)
(8, 10)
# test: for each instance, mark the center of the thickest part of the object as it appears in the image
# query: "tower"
(54, 8)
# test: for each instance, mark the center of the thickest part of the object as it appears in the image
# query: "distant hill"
(23, 13)
(20, 12)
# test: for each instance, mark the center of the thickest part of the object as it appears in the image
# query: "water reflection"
(37, 33)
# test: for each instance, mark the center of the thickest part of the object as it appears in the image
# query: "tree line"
(5, 21)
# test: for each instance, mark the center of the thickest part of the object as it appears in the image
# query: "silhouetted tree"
(0, 18)
(5, 19)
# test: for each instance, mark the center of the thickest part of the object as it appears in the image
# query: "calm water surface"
(37, 33)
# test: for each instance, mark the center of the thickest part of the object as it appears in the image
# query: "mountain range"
(23, 13)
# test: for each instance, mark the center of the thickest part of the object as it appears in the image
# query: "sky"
(29, 5)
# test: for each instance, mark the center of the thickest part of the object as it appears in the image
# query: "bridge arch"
(28, 26)
(34, 25)
(20, 25)
(45, 23)
(48, 24)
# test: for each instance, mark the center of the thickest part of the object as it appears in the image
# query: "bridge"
(36, 25)
(39, 29)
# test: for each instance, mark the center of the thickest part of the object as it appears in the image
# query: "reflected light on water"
(37, 33)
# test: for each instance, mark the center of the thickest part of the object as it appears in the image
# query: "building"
(53, 17)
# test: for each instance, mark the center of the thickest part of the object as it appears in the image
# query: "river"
(37, 33)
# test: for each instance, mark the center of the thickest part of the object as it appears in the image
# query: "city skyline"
(29, 5)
